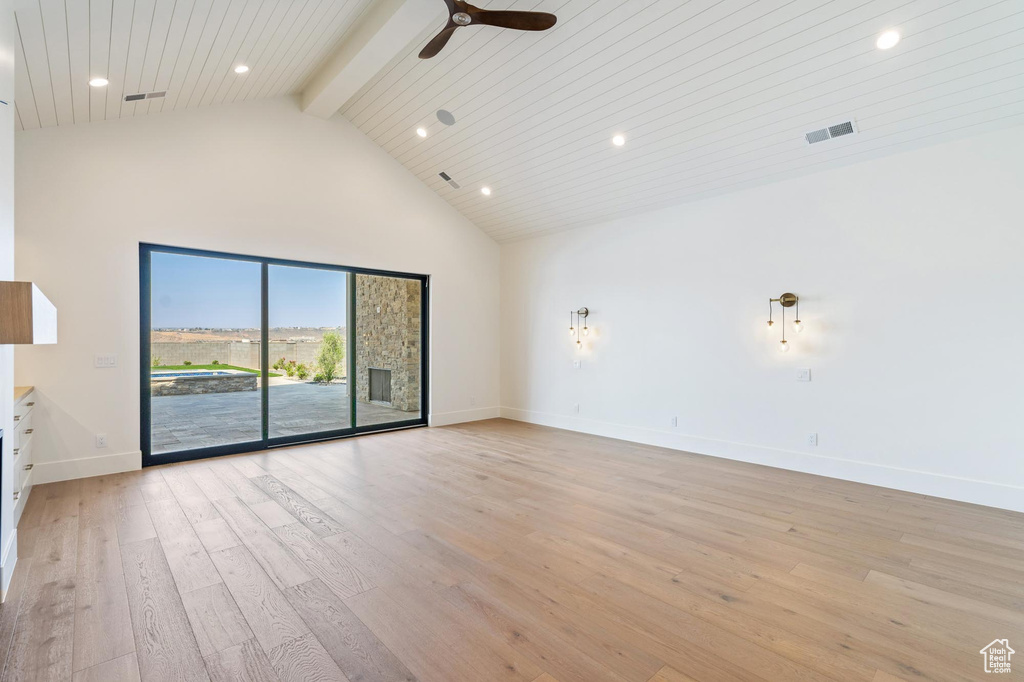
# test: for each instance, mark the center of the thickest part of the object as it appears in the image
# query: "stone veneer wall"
(388, 337)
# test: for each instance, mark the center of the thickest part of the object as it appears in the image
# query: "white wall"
(258, 178)
(910, 271)
(7, 556)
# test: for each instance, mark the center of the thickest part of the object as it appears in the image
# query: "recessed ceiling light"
(887, 40)
(241, 68)
(486, 191)
(98, 82)
(618, 140)
(422, 132)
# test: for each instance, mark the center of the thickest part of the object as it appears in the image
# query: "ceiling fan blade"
(438, 42)
(522, 21)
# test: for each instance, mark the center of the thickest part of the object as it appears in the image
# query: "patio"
(185, 422)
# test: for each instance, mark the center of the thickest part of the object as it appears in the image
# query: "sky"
(194, 291)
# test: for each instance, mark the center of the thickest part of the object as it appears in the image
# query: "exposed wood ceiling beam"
(385, 29)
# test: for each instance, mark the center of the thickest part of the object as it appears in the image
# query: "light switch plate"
(577, 364)
(106, 361)
(803, 374)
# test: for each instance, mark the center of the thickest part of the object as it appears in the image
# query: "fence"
(237, 353)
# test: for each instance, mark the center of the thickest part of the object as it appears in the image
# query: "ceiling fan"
(463, 14)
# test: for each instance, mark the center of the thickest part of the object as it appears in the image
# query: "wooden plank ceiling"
(711, 95)
(188, 48)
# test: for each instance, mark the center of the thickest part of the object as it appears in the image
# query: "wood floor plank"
(245, 662)
(302, 509)
(43, 641)
(271, 618)
(275, 558)
(134, 523)
(193, 502)
(208, 481)
(189, 561)
(103, 628)
(122, 669)
(414, 644)
(357, 651)
(668, 674)
(216, 621)
(321, 560)
(165, 645)
(304, 660)
(216, 535)
(272, 514)
(240, 486)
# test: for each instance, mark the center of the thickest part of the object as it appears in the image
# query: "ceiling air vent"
(447, 178)
(144, 95)
(832, 131)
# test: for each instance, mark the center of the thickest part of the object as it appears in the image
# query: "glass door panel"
(242, 353)
(308, 387)
(388, 382)
(204, 375)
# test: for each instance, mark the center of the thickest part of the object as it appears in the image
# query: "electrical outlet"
(576, 408)
(106, 361)
(803, 375)
(675, 421)
(101, 440)
(472, 401)
(577, 364)
(812, 439)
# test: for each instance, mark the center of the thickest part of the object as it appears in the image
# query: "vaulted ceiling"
(187, 48)
(710, 95)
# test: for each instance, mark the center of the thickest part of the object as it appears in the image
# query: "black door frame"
(265, 443)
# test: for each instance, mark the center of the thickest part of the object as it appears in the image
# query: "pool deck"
(185, 422)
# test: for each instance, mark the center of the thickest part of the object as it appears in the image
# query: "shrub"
(215, 362)
(187, 362)
(319, 378)
(329, 356)
(279, 364)
(157, 361)
(290, 370)
(302, 371)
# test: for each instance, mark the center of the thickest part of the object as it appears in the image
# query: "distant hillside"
(311, 334)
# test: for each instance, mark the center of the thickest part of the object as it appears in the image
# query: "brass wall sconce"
(785, 301)
(578, 325)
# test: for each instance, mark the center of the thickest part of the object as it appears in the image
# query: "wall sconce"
(785, 301)
(580, 328)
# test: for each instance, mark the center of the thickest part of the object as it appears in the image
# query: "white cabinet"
(24, 434)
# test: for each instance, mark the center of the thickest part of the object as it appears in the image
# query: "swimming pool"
(202, 381)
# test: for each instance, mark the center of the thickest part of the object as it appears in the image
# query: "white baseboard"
(67, 469)
(939, 485)
(447, 418)
(7, 563)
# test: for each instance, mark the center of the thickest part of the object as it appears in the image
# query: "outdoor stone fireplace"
(388, 341)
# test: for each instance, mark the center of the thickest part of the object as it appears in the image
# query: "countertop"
(21, 391)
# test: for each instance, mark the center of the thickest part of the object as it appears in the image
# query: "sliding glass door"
(308, 322)
(204, 371)
(241, 353)
(388, 355)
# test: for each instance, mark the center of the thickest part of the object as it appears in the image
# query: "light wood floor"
(503, 551)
